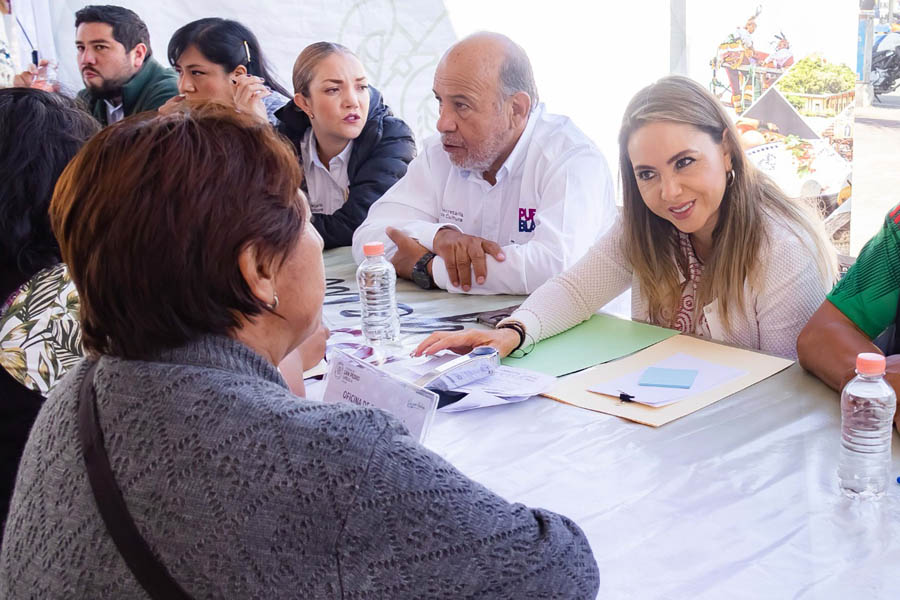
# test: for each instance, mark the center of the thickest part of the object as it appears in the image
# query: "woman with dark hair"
(229, 485)
(221, 60)
(351, 145)
(38, 304)
(709, 244)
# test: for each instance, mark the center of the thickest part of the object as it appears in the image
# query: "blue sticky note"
(670, 378)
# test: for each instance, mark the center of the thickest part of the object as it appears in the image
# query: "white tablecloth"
(738, 500)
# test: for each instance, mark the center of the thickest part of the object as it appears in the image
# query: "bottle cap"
(373, 249)
(870, 363)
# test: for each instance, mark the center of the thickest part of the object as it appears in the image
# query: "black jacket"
(19, 407)
(379, 158)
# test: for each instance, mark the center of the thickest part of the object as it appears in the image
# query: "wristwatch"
(420, 275)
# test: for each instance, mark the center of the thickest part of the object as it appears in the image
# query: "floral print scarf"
(40, 338)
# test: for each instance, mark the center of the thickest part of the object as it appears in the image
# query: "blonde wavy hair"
(651, 242)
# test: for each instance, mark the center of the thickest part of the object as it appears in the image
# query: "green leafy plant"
(815, 75)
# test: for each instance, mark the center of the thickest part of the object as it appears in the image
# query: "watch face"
(420, 274)
(421, 279)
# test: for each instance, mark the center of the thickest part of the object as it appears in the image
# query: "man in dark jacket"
(114, 56)
(378, 158)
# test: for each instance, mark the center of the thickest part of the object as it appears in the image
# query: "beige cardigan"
(789, 291)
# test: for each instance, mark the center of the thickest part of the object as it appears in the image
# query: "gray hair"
(516, 74)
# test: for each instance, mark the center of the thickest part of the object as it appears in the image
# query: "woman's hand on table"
(462, 342)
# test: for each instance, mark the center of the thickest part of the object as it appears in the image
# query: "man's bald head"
(485, 93)
(493, 57)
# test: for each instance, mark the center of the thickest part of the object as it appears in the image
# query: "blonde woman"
(351, 146)
(709, 245)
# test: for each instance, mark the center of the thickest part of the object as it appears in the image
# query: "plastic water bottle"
(867, 413)
(46, 77)
(377, 281)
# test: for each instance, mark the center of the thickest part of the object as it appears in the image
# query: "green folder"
(600, 339)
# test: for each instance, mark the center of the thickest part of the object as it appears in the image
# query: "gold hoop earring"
(274, 304)
(729, 178)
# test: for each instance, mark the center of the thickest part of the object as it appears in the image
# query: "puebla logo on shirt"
(526, 220)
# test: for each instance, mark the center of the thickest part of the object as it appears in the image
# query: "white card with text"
(352, 380)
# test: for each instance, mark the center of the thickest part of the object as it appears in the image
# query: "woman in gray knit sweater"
(198, 273)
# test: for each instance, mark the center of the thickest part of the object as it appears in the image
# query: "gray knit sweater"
(245, 491)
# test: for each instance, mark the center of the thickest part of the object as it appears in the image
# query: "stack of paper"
(506, 386)
(575, 390)
(667, 385)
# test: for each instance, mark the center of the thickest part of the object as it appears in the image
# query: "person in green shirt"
(860, 308)
(115, 59)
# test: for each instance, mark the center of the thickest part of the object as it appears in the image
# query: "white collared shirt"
(327, 187)
(114, 114)
(552, 199)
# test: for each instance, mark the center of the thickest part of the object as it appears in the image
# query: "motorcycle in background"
(885, 74)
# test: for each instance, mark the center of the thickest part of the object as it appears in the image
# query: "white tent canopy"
(400, 45)
(589, 58)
